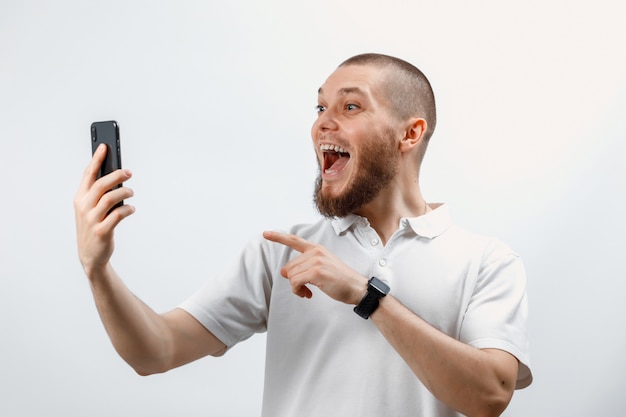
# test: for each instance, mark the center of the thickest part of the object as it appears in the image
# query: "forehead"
(365, 80)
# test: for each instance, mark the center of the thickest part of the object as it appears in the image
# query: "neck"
(391, 205)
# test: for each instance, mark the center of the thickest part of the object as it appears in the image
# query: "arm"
(149, 342)
(475, 382)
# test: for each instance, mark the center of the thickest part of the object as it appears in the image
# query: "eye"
(352, 106)
(320, 109)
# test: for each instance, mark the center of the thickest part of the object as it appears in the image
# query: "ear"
(413, 135)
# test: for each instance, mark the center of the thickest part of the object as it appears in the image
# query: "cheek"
(315, 129)
(314, 142)
(315, 134)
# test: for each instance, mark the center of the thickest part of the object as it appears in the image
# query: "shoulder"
(451, 234)
(482, 253)
(490, 247)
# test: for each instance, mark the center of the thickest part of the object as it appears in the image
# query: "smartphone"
(109, 134)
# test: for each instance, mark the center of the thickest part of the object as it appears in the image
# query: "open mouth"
(335, 158)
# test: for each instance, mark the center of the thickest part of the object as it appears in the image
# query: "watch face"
(379, 286)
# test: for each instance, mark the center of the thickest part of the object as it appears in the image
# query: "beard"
(377, 167)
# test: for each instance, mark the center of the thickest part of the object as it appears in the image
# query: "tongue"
(336, 162)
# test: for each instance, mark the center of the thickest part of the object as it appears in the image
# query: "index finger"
(293, 241)
(91, 172)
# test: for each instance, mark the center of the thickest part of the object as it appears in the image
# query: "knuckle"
(100, 232)
(316, 270)
(317, 250)
(78, 204)
(107, 199)
(116, 215)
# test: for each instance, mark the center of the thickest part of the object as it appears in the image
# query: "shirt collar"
(433, 223)
(341, 224)
(429, 225)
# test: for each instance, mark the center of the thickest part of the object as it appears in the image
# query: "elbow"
(491, 410)
(497, 391)
(146, 371)
(145, 366)
(219, 353)
(143, 370)
(148, 360)
(494, 404)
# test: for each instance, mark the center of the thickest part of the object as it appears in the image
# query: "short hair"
(407, 88)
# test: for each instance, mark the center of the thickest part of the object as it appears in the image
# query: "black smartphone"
(109, 134)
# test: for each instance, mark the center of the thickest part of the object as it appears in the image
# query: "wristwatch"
(376, 289)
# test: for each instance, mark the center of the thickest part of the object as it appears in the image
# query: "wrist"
(359, 292)
(97, 273)
(376, 290)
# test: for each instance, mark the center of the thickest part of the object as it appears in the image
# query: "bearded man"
(445, 310)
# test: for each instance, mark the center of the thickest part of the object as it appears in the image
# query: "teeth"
(335, 148)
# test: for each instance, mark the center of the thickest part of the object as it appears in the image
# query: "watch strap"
(376, 289)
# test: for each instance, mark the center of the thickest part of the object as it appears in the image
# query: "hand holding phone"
(108, 133)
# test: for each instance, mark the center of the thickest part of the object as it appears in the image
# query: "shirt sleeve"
(233, 305)
(497, 314)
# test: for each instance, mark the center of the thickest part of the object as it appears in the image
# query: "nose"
(326, 121)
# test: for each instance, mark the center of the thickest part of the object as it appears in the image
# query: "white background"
(215, 101)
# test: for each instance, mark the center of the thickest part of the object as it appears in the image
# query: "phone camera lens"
(93, 133)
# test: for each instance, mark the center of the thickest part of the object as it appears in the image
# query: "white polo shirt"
(324, 360)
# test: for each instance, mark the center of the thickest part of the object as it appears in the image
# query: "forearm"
(470, 380)
(139, 335)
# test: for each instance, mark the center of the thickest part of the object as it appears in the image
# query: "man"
(447, 309)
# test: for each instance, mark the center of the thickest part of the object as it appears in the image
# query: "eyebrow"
(346, 90)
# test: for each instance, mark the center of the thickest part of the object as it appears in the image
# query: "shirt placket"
(369, 239)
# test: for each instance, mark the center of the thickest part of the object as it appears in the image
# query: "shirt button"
(374, 242)
(382, 262)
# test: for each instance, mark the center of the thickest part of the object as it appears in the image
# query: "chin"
(331, 191)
